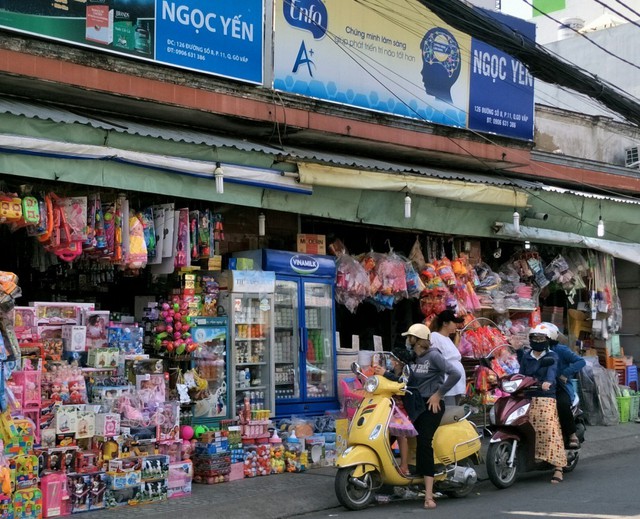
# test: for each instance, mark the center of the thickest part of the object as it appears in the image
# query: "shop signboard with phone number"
(223, 38)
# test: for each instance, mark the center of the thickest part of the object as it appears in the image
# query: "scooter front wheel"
(498, 469)
(354, 493)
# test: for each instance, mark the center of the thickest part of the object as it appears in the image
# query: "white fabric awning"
(258, 177)
(617, 249)
(328, 176)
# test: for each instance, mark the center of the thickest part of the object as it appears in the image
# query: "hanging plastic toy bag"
(370, 264)
(414, 284)
(391, 270)
(445, 271)
(352, 282)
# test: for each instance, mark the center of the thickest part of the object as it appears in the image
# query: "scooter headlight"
(371, 384)
(518, 413)
(511, 386)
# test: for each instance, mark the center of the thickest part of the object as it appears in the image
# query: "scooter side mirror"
(355, 368)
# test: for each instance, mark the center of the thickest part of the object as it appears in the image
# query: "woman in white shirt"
(443, 325)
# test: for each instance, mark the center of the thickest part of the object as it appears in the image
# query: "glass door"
(319, 329)
(210, 357)
(287, 341)
(252, 336)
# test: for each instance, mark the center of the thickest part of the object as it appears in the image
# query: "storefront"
(132, 209)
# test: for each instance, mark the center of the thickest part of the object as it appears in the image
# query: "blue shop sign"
(295, 263)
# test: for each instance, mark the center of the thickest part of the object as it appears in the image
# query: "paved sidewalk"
(288, 495)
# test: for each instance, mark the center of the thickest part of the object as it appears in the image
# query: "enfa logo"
(303, 264)
(309, 15)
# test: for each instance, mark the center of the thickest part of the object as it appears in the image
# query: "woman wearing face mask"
(428, 372)
(543, 413)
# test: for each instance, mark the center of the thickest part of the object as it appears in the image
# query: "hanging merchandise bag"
(158, 224)
(352, 282)
(416, 257)
(148, 224)
(137, 257)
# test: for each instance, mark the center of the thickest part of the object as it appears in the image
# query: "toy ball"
(178, 326)
(177, 316)
(199, 430)
(176, 307)
(186, 431)
(180, 349)
(164, 314)
(165, 306)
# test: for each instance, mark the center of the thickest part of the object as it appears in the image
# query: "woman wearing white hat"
(428, 377)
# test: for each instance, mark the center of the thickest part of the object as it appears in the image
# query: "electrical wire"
(540, 62)
(485, 165)
(605, 50)
(628, 7)
(633, 22)
(484, 137)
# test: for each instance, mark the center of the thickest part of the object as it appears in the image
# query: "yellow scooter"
(368, 462)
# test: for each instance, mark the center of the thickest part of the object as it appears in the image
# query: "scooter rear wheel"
(498, 470)
(354, 493)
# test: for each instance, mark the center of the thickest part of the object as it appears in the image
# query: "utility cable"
(623, 16)
(540, 62)
(486, 166)
(628, 8)
(607, 51)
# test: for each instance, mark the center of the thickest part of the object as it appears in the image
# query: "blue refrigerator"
(304, 351)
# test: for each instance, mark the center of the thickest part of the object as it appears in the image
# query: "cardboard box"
(66, 419)
(74, 337)
(312, 243)
(86, 424)
(97, 322)
(103, 357)
(107, 424)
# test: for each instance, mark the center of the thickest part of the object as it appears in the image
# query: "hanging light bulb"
(516, 221)
(407, 206)
(219, 176)
(600, 228)
(527, 245)
(262, 223)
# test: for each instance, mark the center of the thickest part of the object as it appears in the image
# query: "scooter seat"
(453, 414)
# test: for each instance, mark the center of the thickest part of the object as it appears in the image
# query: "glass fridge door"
(252, 336)
(318, 313)
(210, 357)
(287, 341)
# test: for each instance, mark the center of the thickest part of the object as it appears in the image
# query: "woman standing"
(443, 325)
(543, 413)
(428, 376)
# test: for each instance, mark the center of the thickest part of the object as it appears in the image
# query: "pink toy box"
(55, 495)
(180, 477)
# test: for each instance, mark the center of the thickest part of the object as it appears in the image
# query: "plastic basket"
(624, 407)
(634, 407)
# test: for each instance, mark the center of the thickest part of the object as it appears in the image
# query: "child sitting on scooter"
(400, 426)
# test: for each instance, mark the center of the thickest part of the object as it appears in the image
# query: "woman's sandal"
(555, 478)
(429, 503)
(574, 443)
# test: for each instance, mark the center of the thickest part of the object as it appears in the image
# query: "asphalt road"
(599, 488)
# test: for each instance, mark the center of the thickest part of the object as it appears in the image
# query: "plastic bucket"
(624, 408)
